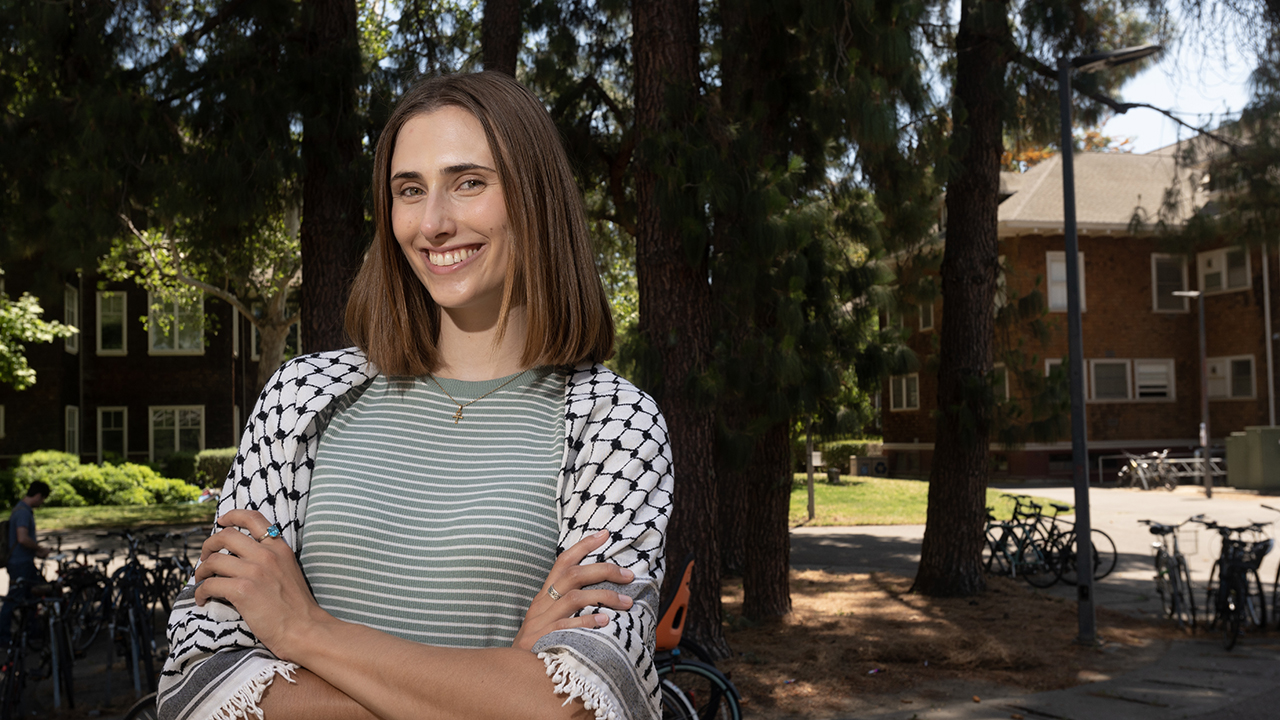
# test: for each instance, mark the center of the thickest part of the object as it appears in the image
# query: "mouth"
(452, 257)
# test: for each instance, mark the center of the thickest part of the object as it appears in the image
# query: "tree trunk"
(675, 296)
(950, 558)
(500, 35)
(333, 229)
(272, 338)
(766, 585)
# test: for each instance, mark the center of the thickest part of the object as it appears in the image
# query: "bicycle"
(40, 628)
(1150, 467)
(709, 693)
(1173, 577)
(144, 709)
(1235, 591)
(1018, 547)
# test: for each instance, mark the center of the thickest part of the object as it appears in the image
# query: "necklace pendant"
(457, 415)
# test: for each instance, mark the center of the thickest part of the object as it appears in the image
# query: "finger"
(220, 565)
(217, 588)
(573, 601)
(231, 540)
(579, 551)
(252, 520)
(580, 576)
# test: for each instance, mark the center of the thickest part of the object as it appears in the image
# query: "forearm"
(395, 678)
(309, 698)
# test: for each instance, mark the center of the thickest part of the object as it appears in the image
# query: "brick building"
(1141, 343)
(117, 391)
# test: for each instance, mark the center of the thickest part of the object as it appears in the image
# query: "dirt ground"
(856, 644)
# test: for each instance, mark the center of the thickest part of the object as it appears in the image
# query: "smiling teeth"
(453, 257)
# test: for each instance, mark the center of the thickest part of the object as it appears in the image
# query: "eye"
(409, 191)
(471, 184)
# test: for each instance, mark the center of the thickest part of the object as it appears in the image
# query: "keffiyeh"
(616, 475)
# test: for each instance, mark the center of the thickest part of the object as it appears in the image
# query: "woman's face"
(448, 211)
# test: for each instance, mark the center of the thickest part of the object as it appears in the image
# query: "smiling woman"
(465, 515)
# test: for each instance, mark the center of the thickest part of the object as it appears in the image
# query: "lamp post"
(1206, 476)
(1079, 450)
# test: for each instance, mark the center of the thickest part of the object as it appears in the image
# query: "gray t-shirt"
(22, 516)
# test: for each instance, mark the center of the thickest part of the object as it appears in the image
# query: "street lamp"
(1206, 476)
(1079, 450)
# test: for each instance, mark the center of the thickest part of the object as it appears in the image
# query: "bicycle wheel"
(1186, 595)
(995, 556)
(1212, 603)
(1040, 564)
(1167, 480)
(86, 612)
(11, 689)
(1275, 599)
(1232, 611)
(66, 675)
(675, 704)
(145, 709)
(712, 695)
(1166, 579)
(1104, 553)
(1070, 554)
(1255, 602)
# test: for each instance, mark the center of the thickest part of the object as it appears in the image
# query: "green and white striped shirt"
(435, 531)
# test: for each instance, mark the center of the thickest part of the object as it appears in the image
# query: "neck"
(473, 351)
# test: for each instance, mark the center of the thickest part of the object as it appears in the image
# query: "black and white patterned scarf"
(616, 475)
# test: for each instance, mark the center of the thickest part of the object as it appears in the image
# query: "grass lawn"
(132, 516)
(874, 501)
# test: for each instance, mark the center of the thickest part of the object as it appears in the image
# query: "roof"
(1110, 188)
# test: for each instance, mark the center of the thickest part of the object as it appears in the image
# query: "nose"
(437, 217)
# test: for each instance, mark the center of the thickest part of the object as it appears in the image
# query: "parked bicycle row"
(60, 619)
(1039, 548)
(1235, 601)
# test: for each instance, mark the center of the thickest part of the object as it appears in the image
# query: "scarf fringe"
(569, 681)
(244, 702)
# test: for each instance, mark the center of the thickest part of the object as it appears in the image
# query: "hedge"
(212, 466)
(74, 484)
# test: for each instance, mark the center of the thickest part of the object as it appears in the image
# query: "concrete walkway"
(1193, 678)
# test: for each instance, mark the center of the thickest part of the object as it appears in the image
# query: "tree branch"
(182, 277)
(1040, 68)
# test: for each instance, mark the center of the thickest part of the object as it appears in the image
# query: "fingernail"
(602, 620)
(624, 600)
(600, 534)
(628, 575)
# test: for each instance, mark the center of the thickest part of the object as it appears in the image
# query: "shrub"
(836, 454)
(51, 466)
(180, 465)
(212, 466)
(166, 491)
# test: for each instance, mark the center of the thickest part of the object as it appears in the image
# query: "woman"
(465, 516)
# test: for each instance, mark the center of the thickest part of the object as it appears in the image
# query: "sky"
(1196, 83)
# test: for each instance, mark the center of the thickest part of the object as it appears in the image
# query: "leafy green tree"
(21, 324)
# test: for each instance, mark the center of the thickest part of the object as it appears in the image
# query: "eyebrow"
(451, 170)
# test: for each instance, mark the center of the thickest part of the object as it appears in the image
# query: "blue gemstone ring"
(272, 532)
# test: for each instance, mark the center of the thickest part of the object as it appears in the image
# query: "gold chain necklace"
(457, 415)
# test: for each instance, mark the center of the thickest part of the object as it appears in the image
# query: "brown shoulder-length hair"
(390, 314)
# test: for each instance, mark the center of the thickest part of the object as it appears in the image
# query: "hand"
(261, 579)
(569, 577)
(42, 551)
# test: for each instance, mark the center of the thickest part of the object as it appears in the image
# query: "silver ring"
(272, 532)
(551, 590)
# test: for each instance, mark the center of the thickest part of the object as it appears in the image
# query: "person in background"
(23, 551)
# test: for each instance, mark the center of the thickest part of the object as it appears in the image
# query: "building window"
(72, 415)
(1000, 383)
(1154, 379)
(176, 429)
(1050, 364)
(176, 328)
(1223, 270)
(1110, 379)
(113, 434)
(904, 392)
(71, 316)
(112, 311)
(1231, 377)
(1002, 286)
(926, 316)
(1056, 269)
(1168, 275)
